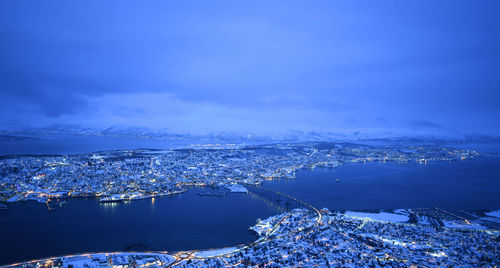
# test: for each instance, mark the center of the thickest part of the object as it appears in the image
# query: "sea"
(192, 221)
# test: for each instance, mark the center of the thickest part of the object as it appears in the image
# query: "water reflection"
(270, 203)
(109, 205)
(177, 222)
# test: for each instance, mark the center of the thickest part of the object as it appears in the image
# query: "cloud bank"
(247, 66)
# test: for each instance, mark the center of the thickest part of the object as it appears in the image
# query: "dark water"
(189, 221)
(469, 184)
(186, 221)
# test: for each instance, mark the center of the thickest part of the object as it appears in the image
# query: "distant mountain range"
(291, 135)
(76, 129)
(144, 132)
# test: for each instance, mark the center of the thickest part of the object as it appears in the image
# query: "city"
(301, 236)
(249, 133)
(148, 173)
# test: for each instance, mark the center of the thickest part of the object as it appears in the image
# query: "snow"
(14, 199)
(424, 220)
(493, 219)
(215, 252)
(263, 226)
(79, 261)
(382, 216)
(236, 188)
(495, 213)
(462, 225)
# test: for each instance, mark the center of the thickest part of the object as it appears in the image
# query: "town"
(303, 236)
(137, 174)
(309, 238)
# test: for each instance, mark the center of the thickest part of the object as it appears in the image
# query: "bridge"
(282, 202)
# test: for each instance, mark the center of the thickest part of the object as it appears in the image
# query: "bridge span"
(284, 202)
(287, 202)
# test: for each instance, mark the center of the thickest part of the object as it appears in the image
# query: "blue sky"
(413, 67)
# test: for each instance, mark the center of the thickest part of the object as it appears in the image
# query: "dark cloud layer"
(246, 65)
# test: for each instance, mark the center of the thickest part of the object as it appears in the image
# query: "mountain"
(293, 135)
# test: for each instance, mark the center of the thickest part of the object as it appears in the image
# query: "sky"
(264, 67)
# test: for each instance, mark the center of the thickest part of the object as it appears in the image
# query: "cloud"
(164, 110)
(261, 65)
(423, 124)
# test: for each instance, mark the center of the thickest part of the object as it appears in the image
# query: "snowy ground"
(491, 219)
(382, 216)
(215, 252)
(495, 213)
